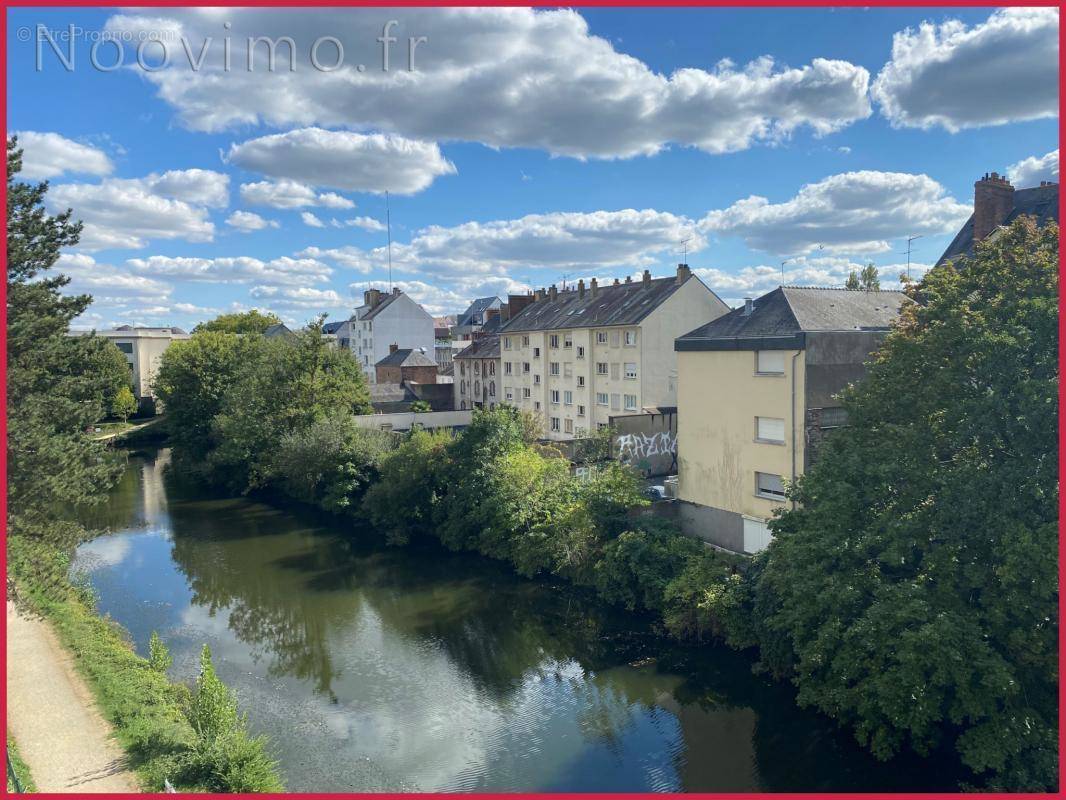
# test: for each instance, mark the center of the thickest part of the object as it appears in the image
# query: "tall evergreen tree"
(55, 388)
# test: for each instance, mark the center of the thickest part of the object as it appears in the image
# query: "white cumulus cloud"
(1002, 70)
(343, 160)
(854, 212)
(1030, 171)
(248, 221)
(49, 155)
(287, 194)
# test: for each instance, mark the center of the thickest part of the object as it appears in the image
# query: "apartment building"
(143, 347)
(576, 357)
(385, 319)
(757, 393)
(477, 374)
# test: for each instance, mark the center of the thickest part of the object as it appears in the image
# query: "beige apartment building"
(143, 347)
(577, 357)
(757, 394)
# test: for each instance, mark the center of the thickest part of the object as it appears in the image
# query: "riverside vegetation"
(58, 387)
(911, 594)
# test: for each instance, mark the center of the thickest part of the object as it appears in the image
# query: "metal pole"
(388, 227)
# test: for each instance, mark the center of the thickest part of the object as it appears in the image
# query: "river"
(374, 668)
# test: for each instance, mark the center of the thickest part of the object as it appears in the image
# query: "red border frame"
(5, 4)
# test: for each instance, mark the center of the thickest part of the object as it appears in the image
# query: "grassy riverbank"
(149, 713)
(18, 766)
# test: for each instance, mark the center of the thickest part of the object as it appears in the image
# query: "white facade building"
(143, 347)
(384, 320)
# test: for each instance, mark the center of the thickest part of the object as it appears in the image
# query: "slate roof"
(482, 347)
(406, 357)
(385, 302)
(1041, 202)
(332, 327)
(478, 306)
(277, 329)
(624, 304)
(789, 311)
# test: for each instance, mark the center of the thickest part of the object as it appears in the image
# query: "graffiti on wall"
(639, 449)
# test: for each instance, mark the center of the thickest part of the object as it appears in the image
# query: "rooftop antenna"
(562, 279)
(684, 250)
(787, 260)
(388, 228)
(908, 252)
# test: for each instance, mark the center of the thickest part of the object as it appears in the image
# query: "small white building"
(143, 347)
(383, 320)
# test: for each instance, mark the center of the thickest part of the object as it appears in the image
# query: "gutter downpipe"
(793, 376)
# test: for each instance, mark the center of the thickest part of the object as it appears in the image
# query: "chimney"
(395, 289)
(581, 287)
(629, 278)
(393, 347)
(553, 292)
(993, 200)
(505, 312)
(749, 306)
(371, 297)
(516, 302)
(538, 295)
(647, 279)
(594, 287)
(683, 273)
(616, 281)
(490, 313)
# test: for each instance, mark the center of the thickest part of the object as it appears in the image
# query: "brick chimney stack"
(647, 279)
(516, 302)
(993, 200)
(393, 347)
(683, 273)
(581, 287)
(371, 297)
(594, 287)
(553, 292)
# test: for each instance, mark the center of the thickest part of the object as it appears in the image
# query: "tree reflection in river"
(376, 668)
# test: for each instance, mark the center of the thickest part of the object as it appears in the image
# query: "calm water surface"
(374, 668)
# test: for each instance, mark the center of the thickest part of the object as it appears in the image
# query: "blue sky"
(528, 147)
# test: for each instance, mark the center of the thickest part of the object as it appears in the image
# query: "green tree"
(159, 657)
(853, 284)
(287, 384)
(913, 593)
(123, 404)
(253, 321)
(402, 502)
(869, 278)
(421, 406)
(54, 391)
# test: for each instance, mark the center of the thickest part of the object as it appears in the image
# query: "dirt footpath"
(61, 736)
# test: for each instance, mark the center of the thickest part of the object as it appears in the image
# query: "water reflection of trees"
(290, 581)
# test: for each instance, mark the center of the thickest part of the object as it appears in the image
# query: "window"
(568, 370)
(568, 340)
(770, 429)
(462, 405)
(477, 387)
(581, 411)
(477, 367)
(601, 367)
(508, 393)
(125, 347)
(631, 402)
(580, 351)
(525, 393)
(555, 396)
(769, 486)
(553, 341)
(555, 424)
(756, 535)
(616, 402)
(553, 368)
(601, 337)
(631, 371)
(492, 368)
(631, 339)
(492, 388)
(462, 387)
(601, 426)
(568, 398)
(580, 381)
(536, 405)
(536, 380)
(601, 398)
(770, 362)
(506, 367)
(568, 426)
(506, 342)
(462, 368)
(614, 370)
(536, 352)
(525, 367)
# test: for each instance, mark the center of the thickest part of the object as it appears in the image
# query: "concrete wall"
(719, 397)
(646, 442)
(404, 421)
